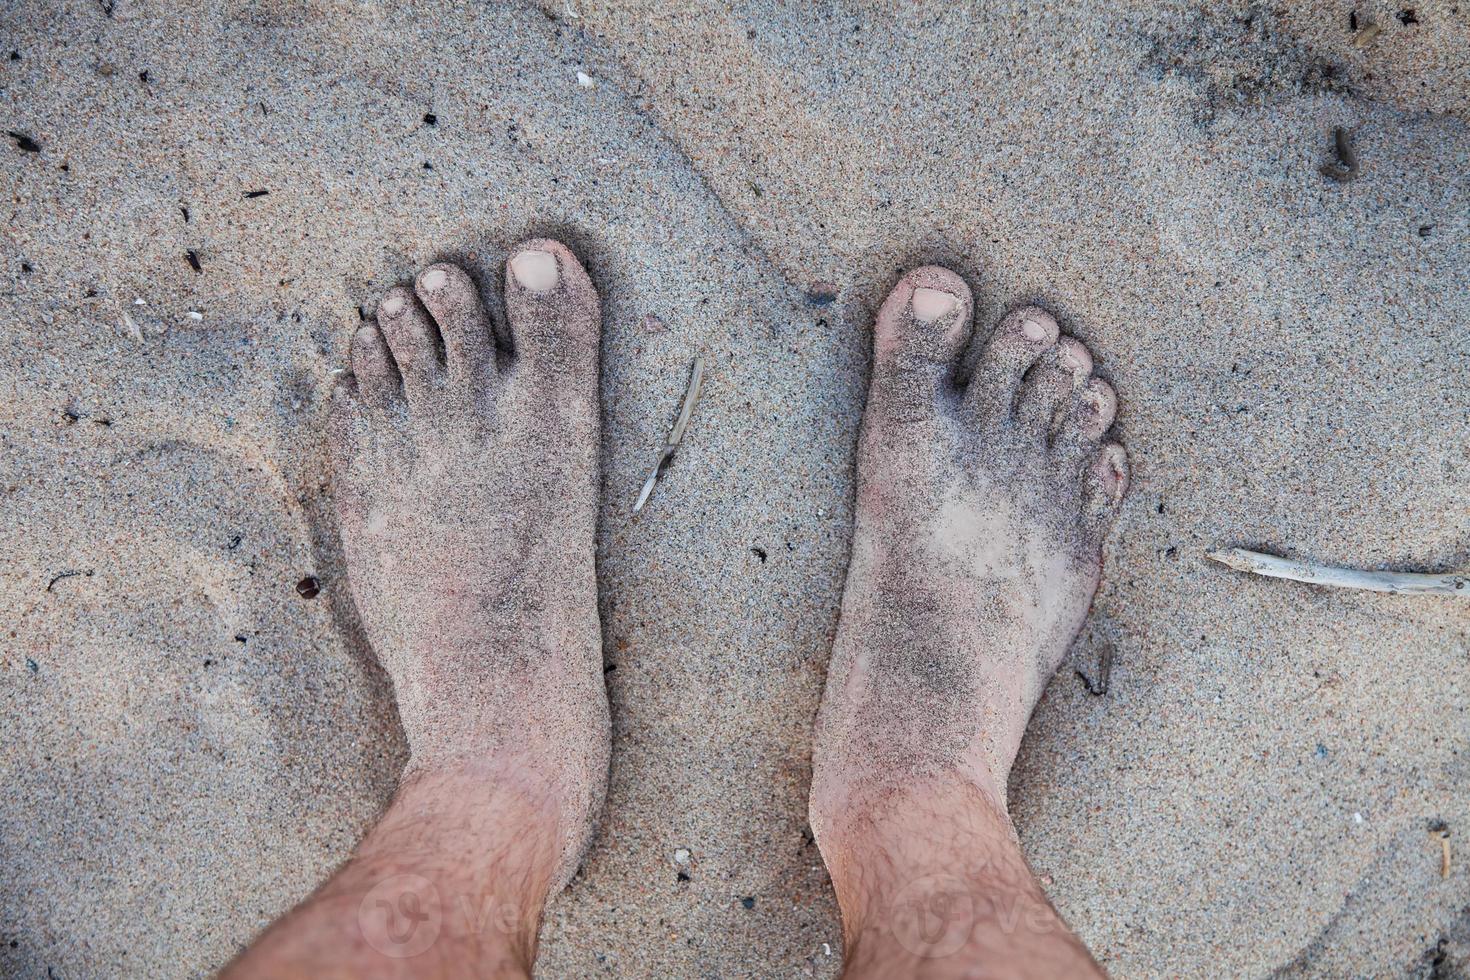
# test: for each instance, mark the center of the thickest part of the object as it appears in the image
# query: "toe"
(1019, 339)
(1048, 389)
(453, 300)
(372, 366)
(1083, 424)
(554, 313)
(345, 427)
(1093, 411)
(917, 338)
(1106, 481)
(413, 340)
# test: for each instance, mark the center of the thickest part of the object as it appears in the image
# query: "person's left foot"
(466, 479)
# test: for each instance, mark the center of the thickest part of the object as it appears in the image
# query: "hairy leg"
(977, 548)
(450, 883)
(466, 483)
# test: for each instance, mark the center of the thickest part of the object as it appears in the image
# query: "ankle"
(883, 839)
(930, 878)
(511, 819)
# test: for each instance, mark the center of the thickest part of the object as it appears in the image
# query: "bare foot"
(981, 511)
(466, 479)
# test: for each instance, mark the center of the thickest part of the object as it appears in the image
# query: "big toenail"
(435, 279)
(1033, 330)
(931, 304)
(393, 305)
(536, 270)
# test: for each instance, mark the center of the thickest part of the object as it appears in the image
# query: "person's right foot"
(466, 480)
(977, 548)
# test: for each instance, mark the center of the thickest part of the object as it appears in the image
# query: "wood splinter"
(1345, 167)
(1400, 583)
(676, 434)
(1441, 832)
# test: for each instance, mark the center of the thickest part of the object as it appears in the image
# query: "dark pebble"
(308, 587)
(822, 294)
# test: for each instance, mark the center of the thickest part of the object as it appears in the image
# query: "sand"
(190, 744)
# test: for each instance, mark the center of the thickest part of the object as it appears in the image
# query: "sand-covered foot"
(466, 478)
(981, 512)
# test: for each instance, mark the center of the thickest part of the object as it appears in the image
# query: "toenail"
(435, 279)
(534, 269)
(931, 304)
(1033, 330)
(393, 305)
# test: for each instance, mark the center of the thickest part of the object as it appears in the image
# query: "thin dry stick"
(1365, 37)
(676, 434)
(1401, 583)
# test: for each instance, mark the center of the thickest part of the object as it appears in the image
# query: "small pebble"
(585, 80)
(681, 856)
(308, 587)
(822, 293)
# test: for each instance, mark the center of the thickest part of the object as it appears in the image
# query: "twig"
(676, 434)
(1365, 37)
(1104, 673)
(1401, 583)
(1441, 832)
(1346, 166)
(69, 573)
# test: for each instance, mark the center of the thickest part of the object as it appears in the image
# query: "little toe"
(413, 340)
(1016, 344)
(346, 426)
(372, 366)
(453, 300)
(1105, 483)
(917, 338)
(554, 312)
(1048, 389)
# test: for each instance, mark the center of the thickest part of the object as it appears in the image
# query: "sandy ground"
(190, 745)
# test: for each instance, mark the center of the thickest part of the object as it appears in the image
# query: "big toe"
(554, 312)
(917, 338)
